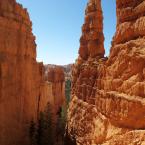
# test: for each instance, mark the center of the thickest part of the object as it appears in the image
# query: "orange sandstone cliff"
(21, 77)
(108, 94)
(56, 83)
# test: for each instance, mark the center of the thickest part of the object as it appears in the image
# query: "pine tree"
(68, 140)
(44, 132)
(49, 127)
(67, 90)
(32, 131)
(40, 129)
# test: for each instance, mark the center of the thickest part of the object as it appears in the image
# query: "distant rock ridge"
(55, 74)
(66, 69)
(108, 105)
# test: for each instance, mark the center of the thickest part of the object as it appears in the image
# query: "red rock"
(56, 79)
(92, 32)
(20, 75)
(56, 74)
(23, 91)
(113, 89)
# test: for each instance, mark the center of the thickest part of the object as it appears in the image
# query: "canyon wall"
(56, 82)
(21, 77)
(108, 94)
(24, 92)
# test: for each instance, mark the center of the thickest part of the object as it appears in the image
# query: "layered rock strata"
(108, 105)
(20, 75)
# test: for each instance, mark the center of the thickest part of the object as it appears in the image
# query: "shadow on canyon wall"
(50, 129)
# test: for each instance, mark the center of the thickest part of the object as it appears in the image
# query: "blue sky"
(57, 27)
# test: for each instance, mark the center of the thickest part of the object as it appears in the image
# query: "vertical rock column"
(20, 74)
(92, 39)
(56, 79)
(84, 120)
(90, 53)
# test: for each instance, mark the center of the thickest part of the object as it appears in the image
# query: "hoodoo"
(92, 39)
(56, 84)
(108, 105)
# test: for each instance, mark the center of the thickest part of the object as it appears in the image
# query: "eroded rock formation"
(56, 84)
(20, 75)
(91, 41)
(108, 105)
(23, 89)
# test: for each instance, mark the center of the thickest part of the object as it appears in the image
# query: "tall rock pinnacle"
(92, 39)
(108, 105)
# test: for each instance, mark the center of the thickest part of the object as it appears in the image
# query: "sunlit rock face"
(20, 74)
(108, 95)
(56, 83)
(91, 41)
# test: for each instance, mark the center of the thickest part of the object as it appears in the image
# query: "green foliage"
(49, 126)
(32, 131)
(50, 132)
(40, 129)
(44, 133)
(61, 122)
(68, 90)
(68, 140)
